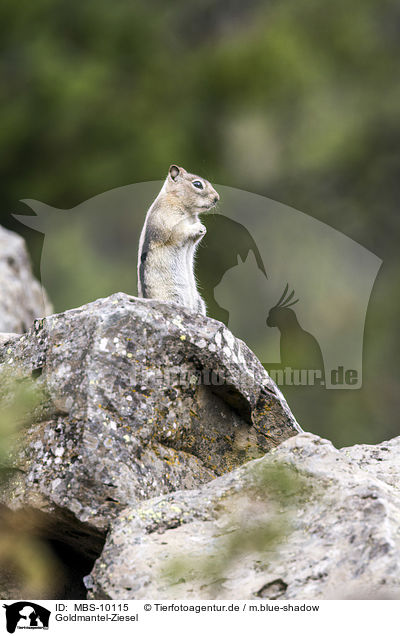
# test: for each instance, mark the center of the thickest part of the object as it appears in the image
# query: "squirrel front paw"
(199, 230)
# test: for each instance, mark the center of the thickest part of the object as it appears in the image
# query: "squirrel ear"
(174, 172)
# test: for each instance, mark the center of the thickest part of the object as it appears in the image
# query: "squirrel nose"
(216, 198)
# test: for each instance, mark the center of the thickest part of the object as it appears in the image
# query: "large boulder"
(153, 429)
(342, 540)
(141, 398)
(22, 299)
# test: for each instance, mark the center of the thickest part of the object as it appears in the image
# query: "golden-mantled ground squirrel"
(169, 238)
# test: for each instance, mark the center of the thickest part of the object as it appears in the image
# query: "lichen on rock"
(137, 406)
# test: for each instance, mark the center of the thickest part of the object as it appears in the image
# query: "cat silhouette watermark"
(257, 258)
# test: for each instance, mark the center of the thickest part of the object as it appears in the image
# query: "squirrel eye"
(198, 184)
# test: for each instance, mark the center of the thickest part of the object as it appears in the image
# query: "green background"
(295, 100)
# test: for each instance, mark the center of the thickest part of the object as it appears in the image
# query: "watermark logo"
(293, 288)
(26, 615)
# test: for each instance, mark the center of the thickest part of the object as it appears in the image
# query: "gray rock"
(125, 417)
(135, 436)
(343, 540)
(6, 337)
(381, 460)
(22, 299)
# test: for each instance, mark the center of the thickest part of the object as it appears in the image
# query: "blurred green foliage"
(18, 402)
(252, 523)
(27, 566)
(298, 100)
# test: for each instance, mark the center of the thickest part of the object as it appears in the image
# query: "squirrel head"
(196, 193)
